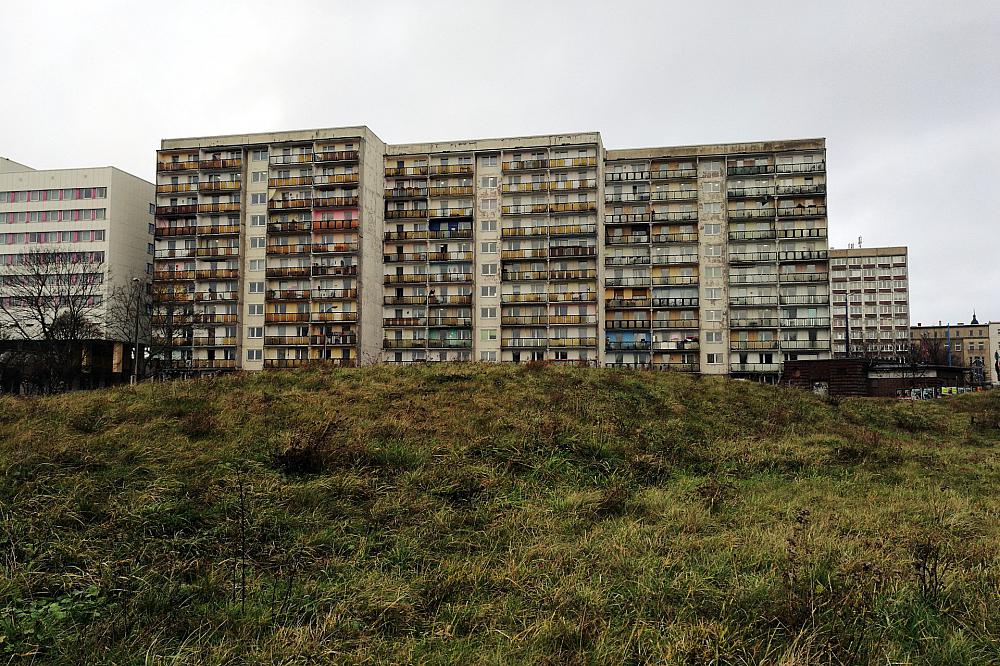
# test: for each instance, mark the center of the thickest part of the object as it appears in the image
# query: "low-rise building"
(958, 345)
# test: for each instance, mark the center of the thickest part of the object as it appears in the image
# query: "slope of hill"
(495, 514)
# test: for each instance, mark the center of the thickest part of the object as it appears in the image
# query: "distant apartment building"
(275, 250)
(993, 358)
(98, 218)
(870, 302)
(963, 345)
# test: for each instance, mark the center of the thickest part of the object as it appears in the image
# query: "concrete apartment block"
(870, 291)
(707, 258)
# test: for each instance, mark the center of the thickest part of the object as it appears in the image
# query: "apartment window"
(256, 264)
(257, 242)
(256, 287)
(713, 294)
(712, 207)
(487, 334)
(713, 336)
(488, 291)
(258, 177)
(255, 331)
(488, 248)
(711, 187)
(489, 269)
(489, 160)
(488, 225)
(488, 356)
(254, 354)
(488, 313)
(713, 229)
(714, 359)
(489, 181)
(713, 271)
(489, 204)
(255, 309)
(258, 198)
(713, 315)
(713, 251)
(259, 155)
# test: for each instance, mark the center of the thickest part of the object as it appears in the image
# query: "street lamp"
(137, 285)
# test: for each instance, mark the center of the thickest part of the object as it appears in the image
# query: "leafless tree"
(128, 318)
(53, 298)
(171, 310)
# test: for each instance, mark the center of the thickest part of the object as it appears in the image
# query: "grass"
(460, 514)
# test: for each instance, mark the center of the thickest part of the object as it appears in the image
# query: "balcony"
(752, 257)
(627, 239)
(288, 294)
(572, 319)
(675, 280)
(572, 251)
(334, 271)
(172, 319)
(214, 318)
(749, 192)
(405, 257)
(626, 303)
(626, 345)
(806, 322)
(804, 277)
(529, 320)
(751, 301)
(464, 232)
(335, 179)
(287, 271)
(393, 172)
(216, 164)
(755, 368)
(817, 188)
(667, 174)
(520, 232)
(579, 274)
(627, 218)
(625, 197)
(567, 185)
(404, 343)
(524, 276)
(793, 212)
(218, 273)
(755, 322)
(572, 162)
(285, 317)
(572, 296)
(335, 202)
(451, 191)
(209, 186)
(217, 252)
(335, 248)
(805, 299)
(216, 296)
(804, 255)
(336, 156)
(168, 296)
(674, 259)
(433, 278)
(289, 204)
(625, 176)
(450, 212)
(675, 238)
(677, 366)
(750, 345)
(802, 167)
(213, 342)
(753, 278)
(528, 253)
(406, 214)
(300, 158)
(229, 207)
(406, 278)
(524, 165)
(573, 207)
(176, 253)
(218, 229)
(171, 232)
(284, 363)
(524, 298)
(176, 211)
(637, 281)
(172, 188)
(535, 186)
(752, 235)
(295, 248)
(676, 302)
(449, 322)
(334, 294)
(525, 209)
(335, 340)
(811, 345)
(295, 181)
(187, 165)
(573, 342)
(676, 216)
(451, 169)
(294, 226)
(628, 324)
(286, 341)
(332, 315)
(676, 324)
(419, 234)
(524, 343)
(449, 343)
(801, 233)
(449, 256)
(210, 363)
(755, 170)
(675, 195)
(629, 260)
(345, 224)
(750, 213)
(406, 193)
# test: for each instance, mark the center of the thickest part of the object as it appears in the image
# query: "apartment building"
(717, 257)
(98, 218)
(993, 358)
(961, 345)
(871, 302)
(263, 245)
(701, 258)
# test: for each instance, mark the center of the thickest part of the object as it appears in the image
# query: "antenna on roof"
(859, 242)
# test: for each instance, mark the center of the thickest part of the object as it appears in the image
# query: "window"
(489, 160)
(488, 225)
(258, 242)
(254, 354)
(712, 207)
(713, 271)
(255, 331)
(489, 269)
(713, 336)
(714, 359)
(489, 204)
(258, 198)
(256, 287)
(255, 309)
(488, 290)
(713, 315)
(258, 155)
(488, 356)
(488, 181)
(713, 294)
(710, 187)
(488, 248)
(713, 251)
(488, 313)
(258, 177)
(256, 264)
(713, 229)
(487, 334)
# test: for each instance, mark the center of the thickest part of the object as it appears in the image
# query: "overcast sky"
(906, 93)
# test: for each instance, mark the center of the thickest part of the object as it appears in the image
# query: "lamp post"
(137, 285)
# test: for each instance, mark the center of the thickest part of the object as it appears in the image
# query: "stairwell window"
(254, 354)
(714, 359)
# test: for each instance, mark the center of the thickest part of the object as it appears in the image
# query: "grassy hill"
(495, 514)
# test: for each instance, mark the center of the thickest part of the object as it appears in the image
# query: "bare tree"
(128, 318)
(170, 329)
(53, 298)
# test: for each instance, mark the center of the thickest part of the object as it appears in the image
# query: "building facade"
(95, 218)
(993, 358)
(701, 258)
(870, 302)
(961, 345)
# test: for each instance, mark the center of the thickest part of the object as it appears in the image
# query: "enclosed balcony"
(676, 302)
(817, 232)
(805, 322)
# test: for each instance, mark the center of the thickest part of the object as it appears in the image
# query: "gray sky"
(906, 93)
